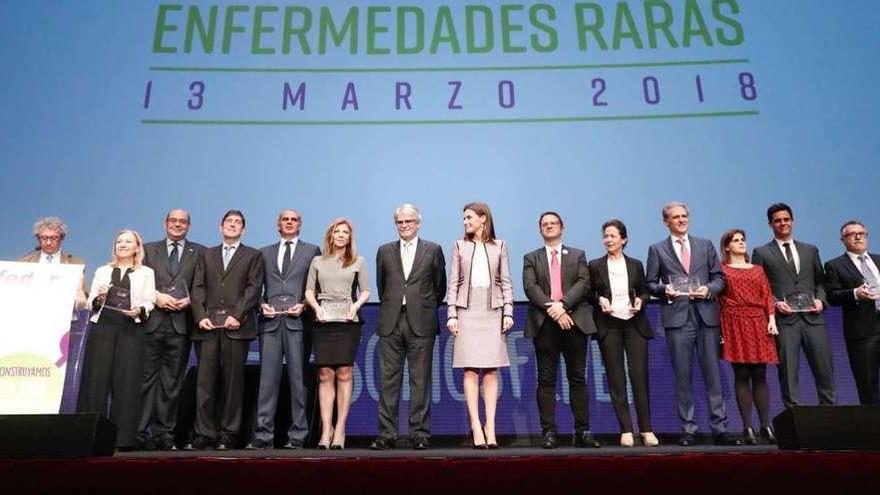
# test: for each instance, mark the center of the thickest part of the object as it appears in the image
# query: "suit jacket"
(460, 276)
(237, 289)
(600, 285)
(143, 288)
(663, 262)
(810, 278)
(575, 285)
(156, 257)
(860, 318)
(424, 289)
(66, 258)
(292, 283)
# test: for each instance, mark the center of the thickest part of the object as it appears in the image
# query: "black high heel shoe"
(478, 446)
(768, 435)
(749, 436)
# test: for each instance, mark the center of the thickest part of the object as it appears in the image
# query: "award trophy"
(800, 301)
(337, 309)
(118, 298)
(873, 288)
(685, 284)
(176, 290)
(218, 317)
(281, 304)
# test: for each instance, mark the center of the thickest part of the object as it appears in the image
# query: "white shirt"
(282, 248)
(550, 249)
(180, 244)
(677, 246)
(619, 281)
(871, 266)
(56, 258)
(480, 267)
(231, 254)
(794, 253)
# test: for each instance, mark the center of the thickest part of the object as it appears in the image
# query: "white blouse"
(619, 280)
(480, 267)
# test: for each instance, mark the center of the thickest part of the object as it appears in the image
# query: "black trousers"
(165, 357)
(813, 339)
(624, 338)
(403, 344)
(864, 361)
(112, 366)
(220, 386)
(550, 342)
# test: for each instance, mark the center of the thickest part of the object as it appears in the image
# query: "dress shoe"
(258, 444)
(584, 439)
(479, 445)
(149, 444)
(549, 441)
(383, 443)
(292, 445)
(337, 446)
(726, 439)
(626, 439)
(225, 442)
(200, 443)
(749, 436)
(492, 446)
(649, 439)
(767, 434)
(321, 446)
(421, 443)
(687, 440)
(167, 445)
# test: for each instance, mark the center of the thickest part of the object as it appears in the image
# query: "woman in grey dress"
(337, 280)
(480, 312)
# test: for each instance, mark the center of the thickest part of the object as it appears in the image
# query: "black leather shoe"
(200, 443)
(492, 446)
(258, 444)
(584, 439)
(768, 435)
(336, 446)
(149, 444)
(225, 442)
(383, 443)
(421, 443)
(749, 436)
(687, 440)
(167, 445)
(292, 445)
(549, 441)
(726, 439)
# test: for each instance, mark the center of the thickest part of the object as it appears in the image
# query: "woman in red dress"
(748, 325)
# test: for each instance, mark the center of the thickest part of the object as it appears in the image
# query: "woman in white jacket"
(122, 295)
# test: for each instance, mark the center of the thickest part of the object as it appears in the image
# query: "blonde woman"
(121, 296)
(480, 312)
(336, 279)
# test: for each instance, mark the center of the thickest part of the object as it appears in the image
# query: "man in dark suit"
(282, 331)
(556, 282)
(793, 266)
(50, 233)
(853, 281)
(689, 315)
(225, 294)
(173, 261)
(411, 277)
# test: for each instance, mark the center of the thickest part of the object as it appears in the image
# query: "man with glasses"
(798, 284)
(853, 282)
(50, 233)
(411, 276)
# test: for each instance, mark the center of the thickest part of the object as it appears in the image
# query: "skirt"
(335, 343)
(480, 343)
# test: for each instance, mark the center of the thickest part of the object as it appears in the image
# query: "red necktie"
(685, 256)
(555, 277)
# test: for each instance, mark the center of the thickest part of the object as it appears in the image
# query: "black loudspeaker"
(828, 428)
(56, 435)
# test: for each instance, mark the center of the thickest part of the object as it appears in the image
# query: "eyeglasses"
(856, 235)
(49, 238)
(405, 222)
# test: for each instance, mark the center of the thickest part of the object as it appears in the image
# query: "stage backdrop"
(114, 112)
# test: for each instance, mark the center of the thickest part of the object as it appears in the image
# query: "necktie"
(49, 258)
(174, 257)
(407, 259)
(285, 263)
(870, 279)
(789, 257)
(685, 255)
(227, 255)
(555, 277)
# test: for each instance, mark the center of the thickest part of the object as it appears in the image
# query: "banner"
(36, 301)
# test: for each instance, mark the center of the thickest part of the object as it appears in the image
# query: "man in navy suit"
(852, 282)
(283, 326)
(690, 317)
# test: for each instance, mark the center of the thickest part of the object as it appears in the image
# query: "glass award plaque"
(873, 288)
(685, 284)
(336, 309)
(800, 301)
(177, 290)
(282, 304)
(118, 298)
(218, 317)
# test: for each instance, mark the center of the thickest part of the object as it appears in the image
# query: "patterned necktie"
(789, 257)
(555, 277)
(174, 257)
(49, 258)
(227, 255)
(407, 259)
(285, 263)
(685, 255)
(870, 279)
